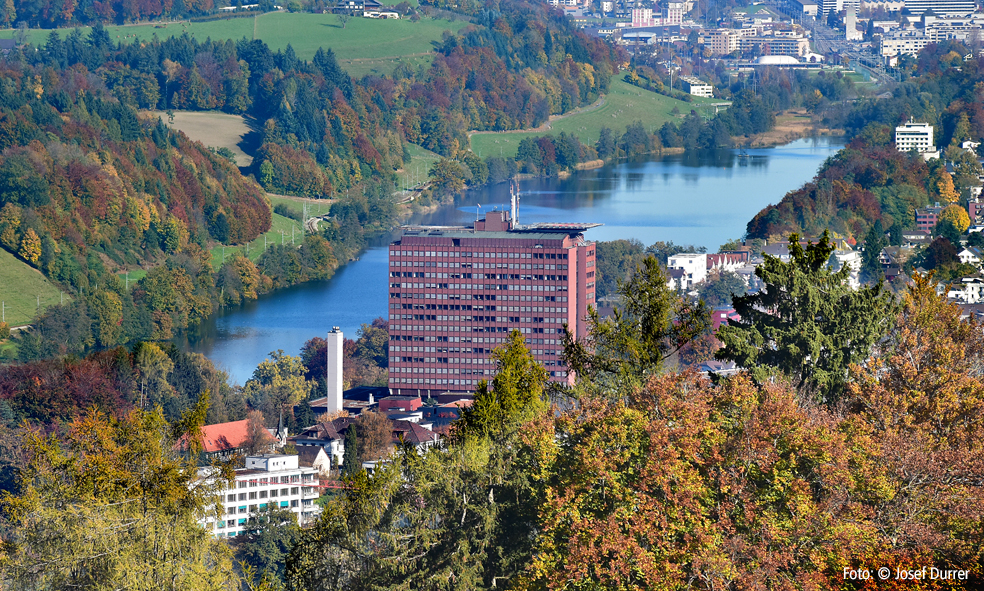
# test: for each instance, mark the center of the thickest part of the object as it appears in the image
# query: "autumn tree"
(277, 385)
(258, 439)
(375, 432)
(30, 247)
(952, 222)
(918, 409)
(116, 505)
(807, 322)
(941, 186)
(650, 323)
(154, 366)
(449, 176)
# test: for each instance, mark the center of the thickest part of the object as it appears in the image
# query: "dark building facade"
(455, 294)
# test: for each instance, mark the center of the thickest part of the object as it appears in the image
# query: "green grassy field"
(274, 236)
(421, 161)
(363, 46)
(624, 104)
(20, 286)
(133, 276)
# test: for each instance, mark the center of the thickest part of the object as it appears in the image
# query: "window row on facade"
(481, 255)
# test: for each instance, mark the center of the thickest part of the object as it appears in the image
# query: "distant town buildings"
(455, 293)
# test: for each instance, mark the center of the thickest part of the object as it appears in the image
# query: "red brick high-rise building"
(455, 293)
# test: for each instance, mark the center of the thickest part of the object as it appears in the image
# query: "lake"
(701, 199)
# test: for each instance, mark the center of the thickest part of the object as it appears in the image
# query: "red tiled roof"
(224, 436)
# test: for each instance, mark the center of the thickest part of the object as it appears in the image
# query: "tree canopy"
(806, 323)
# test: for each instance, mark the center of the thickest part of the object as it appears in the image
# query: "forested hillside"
(870, 181)
(512, 69)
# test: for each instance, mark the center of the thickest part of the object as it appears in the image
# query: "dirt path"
(546, 126)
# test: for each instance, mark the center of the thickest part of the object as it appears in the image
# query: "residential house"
(969, 290)
(224, 440)
(311, 456)
(693, 265)
(330, 435)
(914, 238)
(970, 255)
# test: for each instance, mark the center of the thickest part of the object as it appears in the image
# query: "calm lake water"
(703, 200)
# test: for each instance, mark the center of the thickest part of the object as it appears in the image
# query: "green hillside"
(21, 286)
(624, 104)
(362, 46)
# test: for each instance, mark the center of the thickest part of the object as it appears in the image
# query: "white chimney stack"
(334, 374)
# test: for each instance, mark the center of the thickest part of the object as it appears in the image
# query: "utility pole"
(292, 235)
(39, 303)
(128, 281)
(3, 312)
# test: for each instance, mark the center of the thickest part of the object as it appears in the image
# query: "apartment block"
(455, 294)
(914, 136)
(696, 86)
(276, 479)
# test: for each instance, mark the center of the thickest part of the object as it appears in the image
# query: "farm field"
(213, 129)
(624, 104)
(20, 285)
(362, 47)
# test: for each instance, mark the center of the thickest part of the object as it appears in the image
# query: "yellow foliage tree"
(942, 185)
(957, 216)
(30, 247)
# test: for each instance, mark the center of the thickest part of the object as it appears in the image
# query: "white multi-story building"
(914, 136)
(267, 479)
(941, 7)
(694, 267)
(907, 42)
(696, 86)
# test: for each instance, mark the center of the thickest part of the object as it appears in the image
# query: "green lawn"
(624, 104)
(130, 278)
(274, 236)
(421, 161)
(363, 46)
(20, 287)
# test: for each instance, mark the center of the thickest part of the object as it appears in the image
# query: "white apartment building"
(267, 479)
(941, 7)
(696, 86)
(917, 136)
(907, 42)
(694, 267)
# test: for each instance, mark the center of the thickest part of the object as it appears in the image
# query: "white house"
(970, 290)
(268, 479)
(970, 255)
